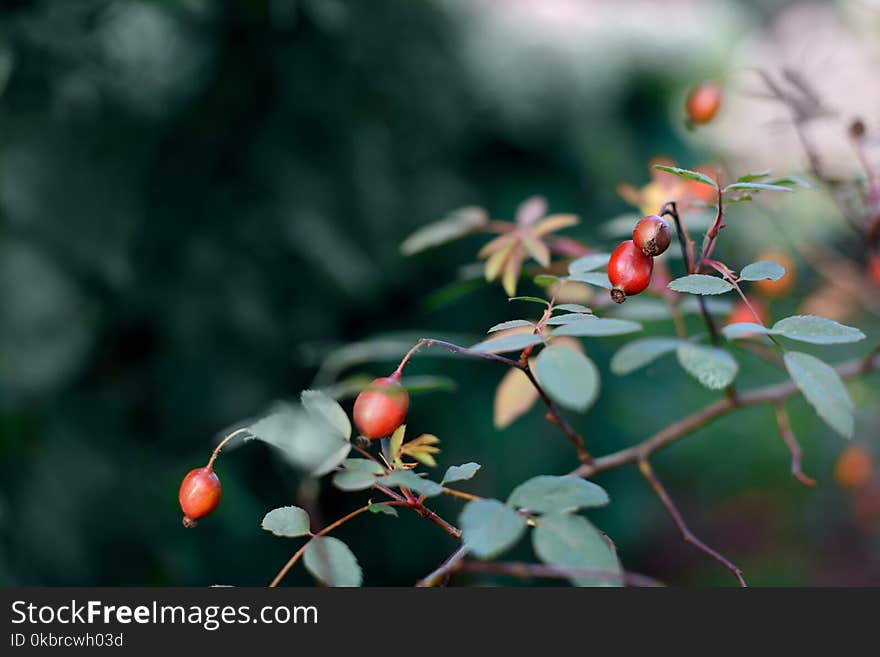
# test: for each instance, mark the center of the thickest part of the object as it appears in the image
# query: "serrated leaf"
(755, 187)
(711, 366)
(823, 389)
(598, 278)
(383, 509)
(598, 327)
(550, 494)
(700, 284)
(514, 397)
(589, 263)
(539, 300)
(488, 527)
(570, 378)
(573, 308)
(353, 480)
(322, 406)
(570, 540)
(687, 174)
(816, 330)
(287, 521)
(331, 562)
(409, 479)
(515, 342)
(363, 465)
(559, 320)
(461, 472)
(744, 330)
(762, 270)
(457, 224)
(638, 353)
(513, 323)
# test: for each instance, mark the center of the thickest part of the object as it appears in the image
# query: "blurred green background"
(200, 200)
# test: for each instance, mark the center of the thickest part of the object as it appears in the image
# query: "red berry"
(629, 271)
(381, 408)
(703, 102)
(652, 235)
(200, 493)
(874, 268)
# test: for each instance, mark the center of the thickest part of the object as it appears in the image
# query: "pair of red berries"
(632, 262)
(378, 411)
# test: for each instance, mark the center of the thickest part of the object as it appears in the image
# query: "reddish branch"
(790, 440)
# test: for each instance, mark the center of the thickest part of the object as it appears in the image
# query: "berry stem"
(222, 444)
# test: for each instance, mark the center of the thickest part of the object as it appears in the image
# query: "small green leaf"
(791, 181)
(570, 540)
(744, 330)
(488, 527)
(598, 278)
(383, 509)
(750, 177)
(755, 187)
(573, 308)
(687, 174)
(700, 284)
(570, 378)
(761, 270)
(546, 280)
(513, 323)
(598, 327)
(559, 320)
(639, 353)
(461, 472)
(457, 224)
(816, 330)
(549, 494)
(543, 302)
(823, 389)
(287, 521)
(363, 465)
(353, 480)
(331, 562)
(515, 342)
(713, 367)
(589, 263)
(409, 479)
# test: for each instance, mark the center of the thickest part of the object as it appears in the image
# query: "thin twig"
(790, 440)
(547, 571)
(686, 533)
(223, 443)
(441, 574)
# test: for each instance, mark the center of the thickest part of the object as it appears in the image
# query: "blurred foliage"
(199, 200)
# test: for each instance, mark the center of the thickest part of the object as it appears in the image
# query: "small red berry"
(629, 271)
(652, 235)
(381, 408)
(200, 493)
(703, 102)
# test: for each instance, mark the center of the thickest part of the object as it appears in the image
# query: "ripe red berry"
(652, 235)
(381, 408)
(703, 102)
(200, 493)
(629, 271)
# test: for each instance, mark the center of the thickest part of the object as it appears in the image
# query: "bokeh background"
(200, 201)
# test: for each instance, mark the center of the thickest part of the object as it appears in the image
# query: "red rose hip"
(652, 235)
(381, 408)
(200, 493)
(703, 102)
(629, 271)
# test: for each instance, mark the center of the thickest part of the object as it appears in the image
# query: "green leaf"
(488, 527)
(687, 174)
(543, 302)
(559, 320)
(589, 263)
(713, 367)
(396, 442)
(700, 284)
(761, 270)
(570, 378)
(515, 342)
(639, 353)
(791, 181)
(816, 330)
(457, 224)
(383, 509)
(427, 383)
(749, 177)
(598, 327)
(331, 562)
(823, 389)
(755, 187)
(363, 465)
(513, 323)
(321, 406)
(549, 494)
(573, 308)
(744, 330)
(409, 479)
(353, 480)
(570, 540)
(461, 472)
(599, 278)
(546, 280)
(287, 521)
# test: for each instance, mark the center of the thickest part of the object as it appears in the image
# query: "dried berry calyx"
(629, 271)
(381, 408)
(652, 235)
(200, 493)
